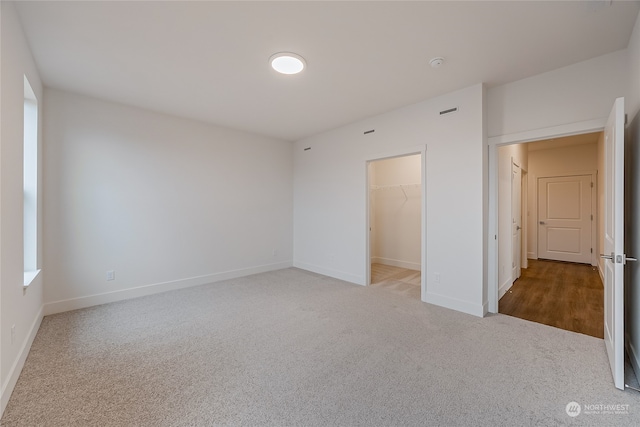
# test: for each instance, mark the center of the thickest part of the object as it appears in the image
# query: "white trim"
(30, 276)
(492, 224)
(396, 263)
(560, 131)
(555, 174)
(601, 274)
(399, 152)
(594, 206)
(16, 369)
(456, 304)
(341, 275)
(506, 285)
(532, 255)
(577, 128)
(107, 297)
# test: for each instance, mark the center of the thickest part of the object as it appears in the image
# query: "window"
(30, 184)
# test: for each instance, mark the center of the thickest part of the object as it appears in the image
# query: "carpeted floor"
(294, 348)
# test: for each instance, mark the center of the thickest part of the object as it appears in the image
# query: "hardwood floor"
(561, 294)
(396, 279)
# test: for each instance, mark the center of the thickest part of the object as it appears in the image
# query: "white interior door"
(564, 218)
(516, 220)
(614, 243)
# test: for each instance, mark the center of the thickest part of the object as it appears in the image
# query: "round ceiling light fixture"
(287, 63)
(436, 62)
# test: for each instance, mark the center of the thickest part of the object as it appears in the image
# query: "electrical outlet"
(111, 275)
(438, 278)
(13, 334)
(275, 253)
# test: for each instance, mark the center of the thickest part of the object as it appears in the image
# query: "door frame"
(516, 261)
(493, 143)
(399, 152)
(524, 212)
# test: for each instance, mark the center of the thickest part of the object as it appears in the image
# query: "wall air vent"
(449, 111)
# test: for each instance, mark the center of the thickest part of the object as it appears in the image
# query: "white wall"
(330, 195)
(165, 202)
(632, 97)
(17, 307)
(395, 214)
(570, 100)
(632, 202)
(506, 155)
(576, 93)
(575, 159)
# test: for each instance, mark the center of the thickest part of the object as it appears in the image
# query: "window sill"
(29, 277)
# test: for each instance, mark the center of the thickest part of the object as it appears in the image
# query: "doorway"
(395, 212)
(557, 223)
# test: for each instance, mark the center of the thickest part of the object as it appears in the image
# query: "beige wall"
(578, 159)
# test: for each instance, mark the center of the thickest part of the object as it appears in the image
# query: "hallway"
(565, 295)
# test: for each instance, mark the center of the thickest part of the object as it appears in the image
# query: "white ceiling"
(208, 60)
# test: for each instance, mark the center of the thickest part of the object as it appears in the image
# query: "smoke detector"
(436, 62)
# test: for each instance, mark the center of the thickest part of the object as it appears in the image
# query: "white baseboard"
(634, 357)
(455, 304)
(504, 287)
(532, 255)
(347, 277)
(107, 297)
(16, 368)
(396, 263)
(601, 274)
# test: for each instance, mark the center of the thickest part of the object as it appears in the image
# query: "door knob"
(518, 227)
(620, 259)
(542, 222)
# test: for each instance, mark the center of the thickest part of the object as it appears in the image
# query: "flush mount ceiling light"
(287, 63)
(436, 62)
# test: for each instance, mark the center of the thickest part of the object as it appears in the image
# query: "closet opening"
(395, 224)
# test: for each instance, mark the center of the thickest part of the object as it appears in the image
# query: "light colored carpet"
(294, 348)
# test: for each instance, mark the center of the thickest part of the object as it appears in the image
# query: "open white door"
(614, 257)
